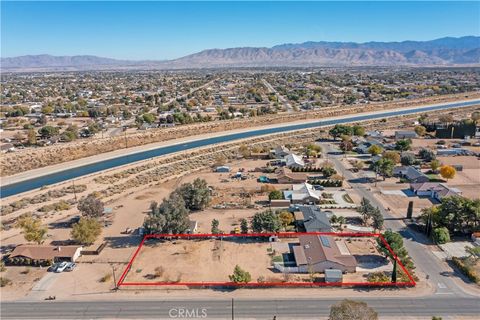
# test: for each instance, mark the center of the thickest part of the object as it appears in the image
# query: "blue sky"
(165, 30)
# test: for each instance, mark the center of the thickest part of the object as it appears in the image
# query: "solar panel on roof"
(325, 241)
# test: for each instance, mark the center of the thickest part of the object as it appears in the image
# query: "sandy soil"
(201, 260)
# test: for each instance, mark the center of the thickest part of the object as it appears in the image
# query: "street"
(396, 308)
(425, 261)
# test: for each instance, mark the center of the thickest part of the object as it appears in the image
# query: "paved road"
(439, 274)
(280, 98)
(397, 308)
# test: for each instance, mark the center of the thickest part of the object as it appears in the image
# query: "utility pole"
(115, 287)
(233, 314)
(74, 191)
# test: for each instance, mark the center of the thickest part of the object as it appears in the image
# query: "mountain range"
(447, 51)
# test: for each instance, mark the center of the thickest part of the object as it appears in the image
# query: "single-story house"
(410, 173)
(294, 161)
(317, 253)
(222, 169)
(303, 193)
(312, 219)
(280, 152)
(46, 253)
(405, 134)
(434, 190)
(285, 175)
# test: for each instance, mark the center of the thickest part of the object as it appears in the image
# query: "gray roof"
(314, 220)
(413, 173)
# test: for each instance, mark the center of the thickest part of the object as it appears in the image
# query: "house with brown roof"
(434, 190)
(285, 175)
(317, 253)
(44, 253)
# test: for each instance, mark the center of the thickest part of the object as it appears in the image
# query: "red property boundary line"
(121, 282)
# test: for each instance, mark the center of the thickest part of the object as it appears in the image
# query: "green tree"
(377, 219)
(475, 116)
(196, 195)
(375, 150)
(86, 231)
(91, 206)
(365, 209)
(32, 229)
(384, 167)
(352, 310)
(403, 145)
(148, 118)
(434, 165)
(266, 221)
(441, 235)
(339, 130)
(240, 276)
(275, 195)
(170, 216)
(215, 224)
(328, 171)
(395, 241)
(48, 132)
(358, 131)
(244, 226)
(426, 154)
(408, 159)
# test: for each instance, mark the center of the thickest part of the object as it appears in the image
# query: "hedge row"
(466, 270)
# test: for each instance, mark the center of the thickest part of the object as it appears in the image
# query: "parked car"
(70, 266)
(61, 267)
(53, 267)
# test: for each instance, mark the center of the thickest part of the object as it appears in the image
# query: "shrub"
(441, 235)
(159, 271)
(378, 277)
(5, 282)
(105, 278)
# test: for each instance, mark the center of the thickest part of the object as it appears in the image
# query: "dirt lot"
(200, 260)
(178, 260)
